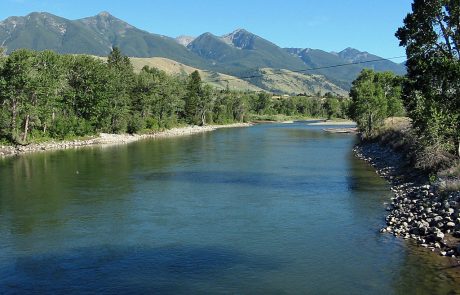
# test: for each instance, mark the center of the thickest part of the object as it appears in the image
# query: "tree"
(332, 106)
(4, 118)
(374, 97)
(192, 98)
(261, 103)
(121, 83)
(432, 90)
(391, 86)
(49, 86)
(89, 92)
(16, 90)
(368, 107)
(205, 103)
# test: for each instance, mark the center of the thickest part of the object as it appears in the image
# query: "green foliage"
(192, 98)
(65, 127)
(374, 97)
(432, 88)
(136, 123)
(332, 107)
(261, 103)
(44, 95)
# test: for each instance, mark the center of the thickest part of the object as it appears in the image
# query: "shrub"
(135, 124)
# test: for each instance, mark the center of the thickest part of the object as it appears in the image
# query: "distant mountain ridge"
(340, 67)
(239, 53)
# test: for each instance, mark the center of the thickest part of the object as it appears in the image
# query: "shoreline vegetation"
(105, 139)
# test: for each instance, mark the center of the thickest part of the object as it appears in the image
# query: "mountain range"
(240, 53)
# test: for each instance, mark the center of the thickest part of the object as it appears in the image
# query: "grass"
(451, 178)
(397, 133)
(4, 142)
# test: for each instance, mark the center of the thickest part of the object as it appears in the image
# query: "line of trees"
(430, 92)
(45, 95)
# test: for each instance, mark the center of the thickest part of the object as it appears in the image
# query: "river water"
(270, 209)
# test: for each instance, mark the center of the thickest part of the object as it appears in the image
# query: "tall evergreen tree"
(192, 98)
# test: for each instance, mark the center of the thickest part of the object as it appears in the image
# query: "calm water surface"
(271, 209)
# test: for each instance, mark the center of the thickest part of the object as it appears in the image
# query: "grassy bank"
(433, 162)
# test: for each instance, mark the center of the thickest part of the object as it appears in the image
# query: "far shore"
(293, 119)
(105, 139)
(333, 123)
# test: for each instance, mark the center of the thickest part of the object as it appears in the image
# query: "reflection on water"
(269, 209)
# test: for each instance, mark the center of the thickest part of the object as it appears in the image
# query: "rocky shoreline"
(419, 211)
(105, 139)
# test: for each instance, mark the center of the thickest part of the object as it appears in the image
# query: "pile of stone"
(420, 213)
(417, 211)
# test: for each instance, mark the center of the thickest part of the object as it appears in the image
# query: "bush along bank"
(419, 211)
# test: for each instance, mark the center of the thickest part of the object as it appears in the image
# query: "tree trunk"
(13, 118)
(203, 118)
(458, 147)
(26, 128)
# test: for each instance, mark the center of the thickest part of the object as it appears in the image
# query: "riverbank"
(104, 139)
(420, 210)
(333, 123)
(291, 119)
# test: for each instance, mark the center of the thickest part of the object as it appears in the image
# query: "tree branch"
(445, 34)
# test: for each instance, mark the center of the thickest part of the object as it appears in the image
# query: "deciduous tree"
(431, 36)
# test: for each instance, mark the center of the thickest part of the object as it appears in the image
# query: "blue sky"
(331, 25)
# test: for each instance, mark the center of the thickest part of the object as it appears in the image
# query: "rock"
(416, 212)
(450, 224)
(437, 218)
(439, 236)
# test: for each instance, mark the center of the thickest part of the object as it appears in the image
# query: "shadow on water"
(423, 272)
(106, 269)
(265, 180)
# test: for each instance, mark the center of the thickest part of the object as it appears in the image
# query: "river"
(270, 209)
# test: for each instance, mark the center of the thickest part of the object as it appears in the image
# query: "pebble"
(418, 212)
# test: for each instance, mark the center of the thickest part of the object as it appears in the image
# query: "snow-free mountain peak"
(184, 40)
